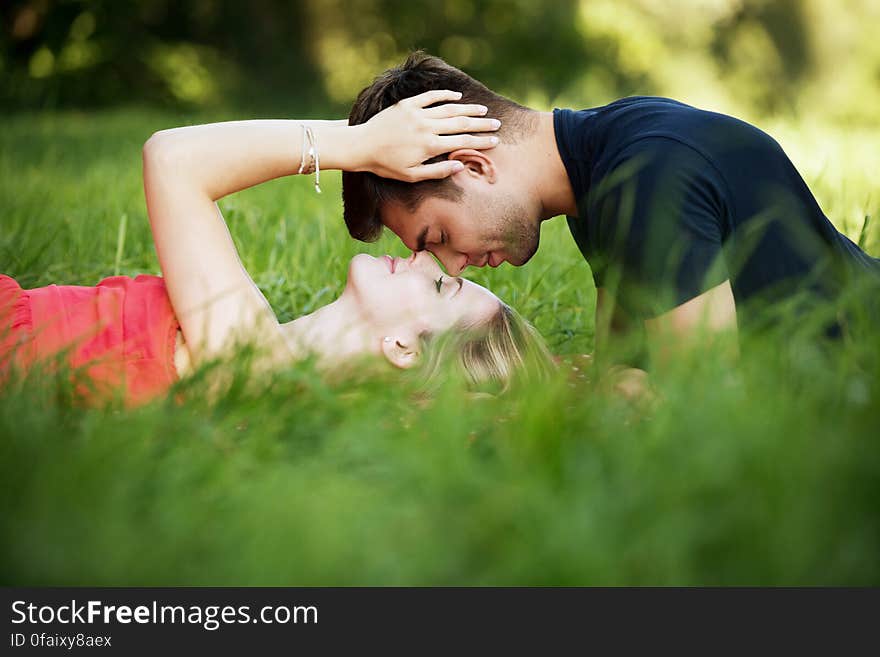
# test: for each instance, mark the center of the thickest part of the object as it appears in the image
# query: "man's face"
(479, 230)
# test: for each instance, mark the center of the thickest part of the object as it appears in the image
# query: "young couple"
(685, 216)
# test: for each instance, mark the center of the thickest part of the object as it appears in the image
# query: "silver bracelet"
(313, 163)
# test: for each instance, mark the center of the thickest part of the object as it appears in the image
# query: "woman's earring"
(387, 338)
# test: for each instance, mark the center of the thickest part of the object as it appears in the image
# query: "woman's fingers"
(455, 109)
(401, 137)
(431, 97)
(447, 144)
(434, 171)
(460, 124)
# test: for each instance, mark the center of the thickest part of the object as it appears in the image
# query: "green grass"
(768, 473)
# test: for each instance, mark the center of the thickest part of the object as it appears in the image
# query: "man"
(688, 218)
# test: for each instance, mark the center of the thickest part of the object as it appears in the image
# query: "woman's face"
(414, 296)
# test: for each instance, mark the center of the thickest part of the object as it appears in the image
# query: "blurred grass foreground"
(763, 473)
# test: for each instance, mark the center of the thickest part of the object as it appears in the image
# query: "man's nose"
(424, 261)
(453, 262)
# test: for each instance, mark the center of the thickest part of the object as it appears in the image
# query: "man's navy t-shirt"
(673, 200)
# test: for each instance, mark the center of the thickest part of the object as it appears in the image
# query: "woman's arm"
(222, 158)
(187, 169)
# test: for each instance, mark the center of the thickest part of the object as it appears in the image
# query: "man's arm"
(706, 320)
(612, 324)
(619, 336)
(610, 320)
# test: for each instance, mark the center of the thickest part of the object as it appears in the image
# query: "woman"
(143, 334)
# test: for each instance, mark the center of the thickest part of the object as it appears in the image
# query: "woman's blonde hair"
(490, 356)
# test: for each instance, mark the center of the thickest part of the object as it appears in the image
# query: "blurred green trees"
(754, 57)
(98, 52)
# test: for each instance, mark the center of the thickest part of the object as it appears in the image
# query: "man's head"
(481, 215)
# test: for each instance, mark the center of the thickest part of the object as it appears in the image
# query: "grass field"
(768, 473)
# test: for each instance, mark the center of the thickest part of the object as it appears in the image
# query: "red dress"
(121, 332)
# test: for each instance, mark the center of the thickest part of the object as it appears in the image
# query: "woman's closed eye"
(448, 287)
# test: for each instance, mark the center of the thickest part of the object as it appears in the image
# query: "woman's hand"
(397, 140)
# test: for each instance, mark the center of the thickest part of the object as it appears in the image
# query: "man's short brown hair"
(364, 193)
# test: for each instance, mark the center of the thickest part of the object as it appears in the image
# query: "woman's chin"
(360, 260)
(363, 275)
(360, 268)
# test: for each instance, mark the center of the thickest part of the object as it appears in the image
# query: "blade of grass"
(863, 235)
(120, 242)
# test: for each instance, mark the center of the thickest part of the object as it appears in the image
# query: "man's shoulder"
(635, 115)
(593, 142)
(600, 134)
(627, 103)
(641, 101)
(592, 132)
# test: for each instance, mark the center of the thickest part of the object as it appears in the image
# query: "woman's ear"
(401, 351)
(476, 164)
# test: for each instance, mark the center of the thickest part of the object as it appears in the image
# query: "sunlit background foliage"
(787, 57)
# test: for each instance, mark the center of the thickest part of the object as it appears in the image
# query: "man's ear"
(476, 164)
(401, 350)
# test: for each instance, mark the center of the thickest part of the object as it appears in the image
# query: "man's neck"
(545, 171)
